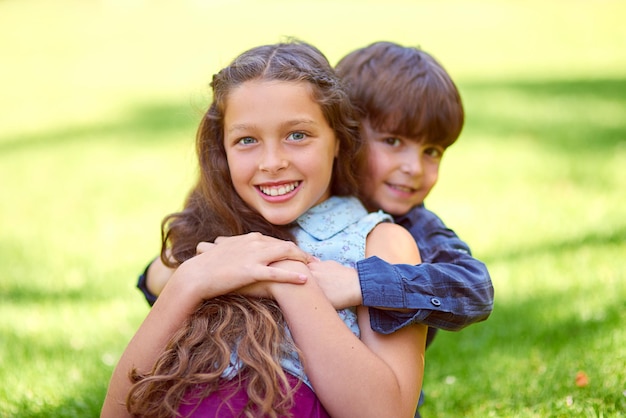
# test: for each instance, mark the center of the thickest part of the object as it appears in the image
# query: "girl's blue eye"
(297, 136)
(247, 140)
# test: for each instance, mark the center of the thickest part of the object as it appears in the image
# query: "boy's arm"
(449, 290)
(159, 274)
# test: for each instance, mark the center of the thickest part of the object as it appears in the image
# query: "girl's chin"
(279, 219)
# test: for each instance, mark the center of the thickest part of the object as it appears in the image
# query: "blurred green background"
(99, 102)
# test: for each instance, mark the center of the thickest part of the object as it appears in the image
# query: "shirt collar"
(331, 216)
(410, 218)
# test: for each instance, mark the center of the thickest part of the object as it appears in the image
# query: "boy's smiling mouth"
(401, 188)
(278, 190)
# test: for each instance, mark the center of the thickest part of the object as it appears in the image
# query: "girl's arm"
(215, 271)
(376, 376)
(172, 308)
(266, 250)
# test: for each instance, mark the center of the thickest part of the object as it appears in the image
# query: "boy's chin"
(394, 209)
(397, 211)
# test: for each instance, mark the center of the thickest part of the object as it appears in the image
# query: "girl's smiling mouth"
(278, 190)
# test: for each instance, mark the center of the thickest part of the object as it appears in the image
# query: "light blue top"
(336, 229)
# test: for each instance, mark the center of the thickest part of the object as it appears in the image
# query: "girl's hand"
(262, 250)
(233, 263)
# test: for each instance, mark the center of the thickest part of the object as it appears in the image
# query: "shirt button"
(435, 301)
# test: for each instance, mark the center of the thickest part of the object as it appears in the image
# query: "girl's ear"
(336, 147)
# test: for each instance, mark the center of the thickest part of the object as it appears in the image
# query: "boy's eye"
(297, 136)
(434, 152)
(246, 140)
(394, 142)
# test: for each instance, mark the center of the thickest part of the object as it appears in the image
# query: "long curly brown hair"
(253, 328)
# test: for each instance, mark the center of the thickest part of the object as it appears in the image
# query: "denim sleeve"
(446, 296)
(142, 285)
(449, 290)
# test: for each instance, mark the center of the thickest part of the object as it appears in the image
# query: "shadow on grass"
(155, 121)
(23, 285)
(519, 327)
(571, 116)
(616, 235)
(35, 295)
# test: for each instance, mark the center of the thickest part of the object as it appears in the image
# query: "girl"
(276, 150)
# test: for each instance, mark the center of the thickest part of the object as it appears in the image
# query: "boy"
(410, 112)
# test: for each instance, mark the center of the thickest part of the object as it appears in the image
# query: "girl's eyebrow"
(302, 121)
(240, 127)
(287, 124)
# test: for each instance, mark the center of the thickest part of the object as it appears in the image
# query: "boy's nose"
(412, 167)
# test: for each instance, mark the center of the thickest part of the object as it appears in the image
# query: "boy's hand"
(340, 284)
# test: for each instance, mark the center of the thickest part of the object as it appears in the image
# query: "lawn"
(99, 102)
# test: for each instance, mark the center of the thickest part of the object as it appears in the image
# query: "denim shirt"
(449, 290)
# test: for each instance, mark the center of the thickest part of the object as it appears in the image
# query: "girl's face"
(280, 148)
(400, 171)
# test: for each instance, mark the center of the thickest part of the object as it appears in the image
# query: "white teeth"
(402, 188)
(279, 191)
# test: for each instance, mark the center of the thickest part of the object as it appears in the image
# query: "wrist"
(355, 295)
(179, 297)
(186, 287)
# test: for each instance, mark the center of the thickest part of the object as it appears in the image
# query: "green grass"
(544, 208)
(98, 107)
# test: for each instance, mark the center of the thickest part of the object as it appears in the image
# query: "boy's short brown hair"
(404, 91)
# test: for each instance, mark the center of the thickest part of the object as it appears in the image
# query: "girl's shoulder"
(392, 243)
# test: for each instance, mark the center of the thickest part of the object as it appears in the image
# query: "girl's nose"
(273, 161)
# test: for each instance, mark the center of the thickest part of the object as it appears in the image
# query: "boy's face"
(401, 171)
